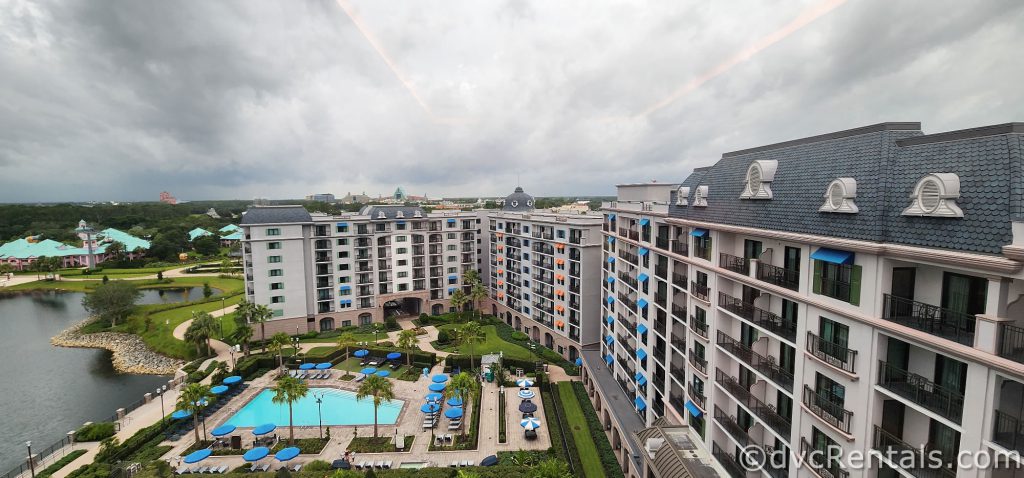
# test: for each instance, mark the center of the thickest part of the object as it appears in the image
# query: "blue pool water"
(339, 407)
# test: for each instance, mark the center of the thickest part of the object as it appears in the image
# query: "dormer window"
(935, 195)
(759, 180)
(839, 196)
(682, 196)
(400, 215)
(381, 215)
(515, 203)
(417, 214)
(700, 197)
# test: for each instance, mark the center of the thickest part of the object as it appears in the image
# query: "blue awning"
(642, 277)
(834, 256)
(401, 222)
(611, 240)
(608, 359)
(641, 303)
(693, 409)
(644, 222)
(609, 339)
(610, 299)
(451, 290)
(640, 405)
(342, 224)
(451, 221)
(611, 259)
(609, 319)
(699, 232)
(611, 217)
(345, 287)
(453, 277)
(641, 329)
(610, 279)
(639, 377)
(641, 354)
(643, 251)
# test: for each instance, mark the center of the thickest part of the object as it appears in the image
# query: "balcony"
(632, 282)
(679, 312)
(886, 443)
(679, 280)
(699, 326)
(697, 397)
(771, 322)
(1008, 431)
(702, 252)
(930, 395)
(728, 462)
(739, 265)
(661, 271)
(634, 235)
(629, 257)
(731, 426)
(699, 363)
(627, 325)
(765, 412)
(833, 354)
(945, 323)
(766, 365)
(1011, 343)
(779, 276)
(661, 299)
(700, 291)
(678, 342)
(626, 301)
(678, 247)
(828, 409)
(816, 460)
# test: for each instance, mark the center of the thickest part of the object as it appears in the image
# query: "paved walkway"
(168, 274)
(222, 350)
(16, 280)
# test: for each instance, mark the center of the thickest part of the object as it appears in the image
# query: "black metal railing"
(779, 276)
(921, 465)
(697, 397)
(728, 462)
(698, 363)
(731, 426)
(703, 252)
(938, 321)
(836, 289)
(833, 354)
(766, 365)
(769, 321)
(1008, 431)
(679, 280)
(816, 459)
(61, 447)
(700, 291)
(679, 247)
(661, 271)
(828, 408)
(1011, 342)
(944, 401)
(767, 413)
(699, 326)
(733, 263)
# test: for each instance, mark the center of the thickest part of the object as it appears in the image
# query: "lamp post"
(319, 401)
(31, 464)
(295, 344)
(160, 393)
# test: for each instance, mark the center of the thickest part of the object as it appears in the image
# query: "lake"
(47, 390)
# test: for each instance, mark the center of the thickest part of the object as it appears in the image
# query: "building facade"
(858, 290)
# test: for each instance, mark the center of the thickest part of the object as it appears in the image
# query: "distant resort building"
(21, 253)
(321, 197)
(197, 233)
(166, 198)
(230, 234)
(355, 198)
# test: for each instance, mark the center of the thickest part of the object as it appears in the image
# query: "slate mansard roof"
(275, 215)
(887, 161)
(391, 212)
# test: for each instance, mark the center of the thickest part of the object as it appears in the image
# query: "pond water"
(48, 391)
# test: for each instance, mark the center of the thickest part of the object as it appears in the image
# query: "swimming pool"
(339, 407)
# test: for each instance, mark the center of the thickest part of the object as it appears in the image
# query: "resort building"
(543, 271)
(859, 289)
(22, 253)
(318, 272)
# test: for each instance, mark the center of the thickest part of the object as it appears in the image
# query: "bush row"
(561, 424)
(604, 448)
(95, 431)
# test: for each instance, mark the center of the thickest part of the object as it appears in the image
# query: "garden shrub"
(95, 431)
(519, 336)
(317, 465)
(444, 337)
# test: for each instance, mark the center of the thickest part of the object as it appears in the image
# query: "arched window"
(839, 196)
(935, 195)
(326, 324)
(682, 196)
(365, 319)
(758, 182)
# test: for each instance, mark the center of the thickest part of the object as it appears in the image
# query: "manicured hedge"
(555, 415)
(61, 463)
(95, 431)
(418, 356)
(604, 448)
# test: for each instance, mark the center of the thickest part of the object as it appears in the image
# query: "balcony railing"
(626, 301)
(817, 459)
(946, 402)
(945, 323)
(1008, 431)
(779, 276)
(765, 412)
(677, 341)
(699, 291)
(836, 289)
(1011, 343)
(739, 265)
(697, 397)
(766, 365)
(679, 312)
(699, 326)
(771, 322)
(631, 281)
(679, 280)
(678, 247)
(703, 252)
(833, 354)
(731, 426)
(728, 462)
(661, 271)
(827, 409)
(922, 466)
(698, 363)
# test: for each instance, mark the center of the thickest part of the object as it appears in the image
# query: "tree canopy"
(112, 301)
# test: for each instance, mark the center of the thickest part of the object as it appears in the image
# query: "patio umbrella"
(455, 402)
(527, 407)
(307, 366)
(524, 382)
(232, 380)
(222, 430)
(530, 423)
(579, 362)
(219, 389)
(368, 370)
(263, 429)
(198, 456)
(179, 414)
(526, 394)
(453, 412)
(430, 408)
(256, 454)
(439, 378)
(489, 460)
(324, 365)
(287, 453)
(434, 397)
(361, 353)
(394, 356)
(383, 373)
(436, 387)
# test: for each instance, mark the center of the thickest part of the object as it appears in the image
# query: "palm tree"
(381, 389)
(477, 293)
(192, 399)
(277, 343)
(289, 390)
(261, 314)
(469, 336)
(407, 339)
(459, 299)
(243, 334)
(205, 325)
(550, 468)
(244, 312)
(463, 386)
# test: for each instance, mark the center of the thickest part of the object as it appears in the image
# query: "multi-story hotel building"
(859, 289)
(318, 272)
(543, 272)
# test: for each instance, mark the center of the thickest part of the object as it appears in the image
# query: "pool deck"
(409, 424)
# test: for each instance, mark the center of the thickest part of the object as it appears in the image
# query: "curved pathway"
(168, 274)
(222, 350)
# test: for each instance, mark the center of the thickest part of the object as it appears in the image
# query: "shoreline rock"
(131, 355)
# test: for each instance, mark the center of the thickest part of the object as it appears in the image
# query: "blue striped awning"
(609, 340)
(644, 222)
(641, 329)
(610, 279)
(834, 256)
(699, 232)
(611, 217)
(641, 303)
(690, 407)
(345, 301)
(609, 319)
(345, 287)
(640, 379)
(640, 405)
(642, 277)
(643, 251)
(611, 259)
(610, 299)
(641, 354)
(608, 359)
(451, 221)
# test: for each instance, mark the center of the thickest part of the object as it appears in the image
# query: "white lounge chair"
(387, 465)
(380, 465)
(455, 464)
(466, 463)
(297, 467)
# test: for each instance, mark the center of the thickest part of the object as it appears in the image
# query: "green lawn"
(491, 344)
(160, 337)
(227, 286)
(589, 460)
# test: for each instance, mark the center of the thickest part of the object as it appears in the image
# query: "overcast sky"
(119, 100)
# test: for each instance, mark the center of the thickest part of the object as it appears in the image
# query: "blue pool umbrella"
(439, 378)
(436, 387)
(434, 397)
(361, 353)
(263, 429)
(323, 365)
(198, 455)
(232, 380)
(179, 414)
(222, 430)
(430, 408)
(256, 454)
(368, 370)
(530, 423)
(527, 407)
(287, 453)
(307, 366)
(579, 362)
(453, 412)
(524, 382)
(383, 373)
(394, 356)
(219, 389)
(527, 394)
(455, 402)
